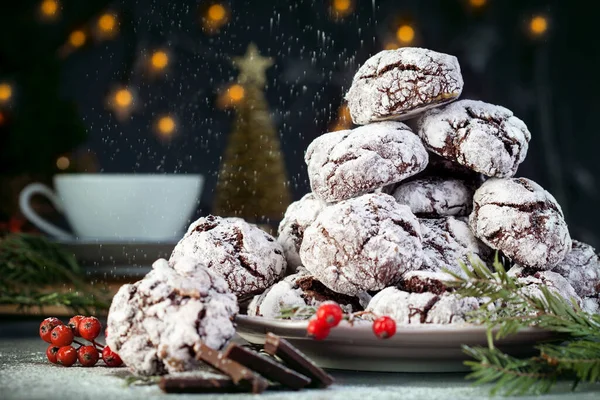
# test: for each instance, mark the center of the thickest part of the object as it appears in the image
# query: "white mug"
(118, 206)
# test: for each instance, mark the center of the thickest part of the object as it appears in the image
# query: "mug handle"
(24, 200)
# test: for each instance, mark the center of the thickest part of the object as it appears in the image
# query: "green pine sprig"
(30, 264)
(509, 308)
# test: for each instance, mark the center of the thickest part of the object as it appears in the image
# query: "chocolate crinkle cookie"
(447, 242)
(581, 267)
(518, 217)
(298, 290)
(345, 164)
(484, 137)
(532, 280)
(422, 308)
(362, 244)
(157, 324)
(298, 216)
(249, 259)
(436, 197)
(425, 281)
(399, 84)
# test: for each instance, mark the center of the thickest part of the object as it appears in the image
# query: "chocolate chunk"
(266, 366)
(239, 374)
(276, 346)
(199, 384)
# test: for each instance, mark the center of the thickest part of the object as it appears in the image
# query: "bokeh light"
(77, 38)
(405, 34)
(107, 23)
(63, 163)
(236, 93)
(49, 8)
(341, 8)
(391, 45)
(214, 17)
(538, 25)
(5, 92)
(166, 125)
(159, 60)
(477, 3)
(217, 12)
(123, 98)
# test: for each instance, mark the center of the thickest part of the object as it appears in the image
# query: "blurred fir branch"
(29, 264)
(575, 357)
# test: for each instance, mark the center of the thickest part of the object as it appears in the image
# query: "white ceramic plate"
(425, 348)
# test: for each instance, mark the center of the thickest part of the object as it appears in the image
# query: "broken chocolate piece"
(200, 384)
(276, 346)
(266, 366)
(239, 374)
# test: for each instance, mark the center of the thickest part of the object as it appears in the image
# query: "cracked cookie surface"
(345, 164)
(518, 217)
(249, 259)
(532, 280)
(361, 244)
(448, 242)
(298, 216)
(422, 308)
(157, 323)
(399, 84)
(487, 138)
(436, 197)
(298, 290)
(581, 267)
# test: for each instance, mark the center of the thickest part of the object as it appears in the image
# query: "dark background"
(549, 80)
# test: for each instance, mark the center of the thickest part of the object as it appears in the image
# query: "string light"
(538, 25)
(477, 3)
(123, 98)
(77, 38)
(63, 163)
(166, 125)
(49, 8)
(236, 93)
(159, 60)
(5, 92)
(405, 34)
(341, 8)
(215, 17)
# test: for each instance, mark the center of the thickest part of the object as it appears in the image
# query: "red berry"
(51, 353)
(62, 335)
(66, 356)
(46, 328)
(74, 324)
(317, 329)
(111, 358)
(384, 327)
(330, 313)
(89, 328)
(88, 356)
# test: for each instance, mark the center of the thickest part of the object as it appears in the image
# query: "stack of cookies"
(393, 203)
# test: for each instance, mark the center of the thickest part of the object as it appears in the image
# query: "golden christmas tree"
(252, 182)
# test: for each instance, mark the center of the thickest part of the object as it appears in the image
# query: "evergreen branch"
(29, 264)
(510, 308)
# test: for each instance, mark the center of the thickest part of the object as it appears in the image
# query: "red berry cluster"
(330, 314)
(61, 338)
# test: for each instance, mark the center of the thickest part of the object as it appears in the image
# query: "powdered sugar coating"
(553, 281)
(403, 307)
(398, 84)
(452, 309)
(436, 197)
(298, 216)
(348, 163)
(449, 241)
(484, 137)
(518, 217)
(591, 305)
(249, 259)
(422, 308)
(581, 267)
(157, 323)
(365, 243)
(297, 290)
